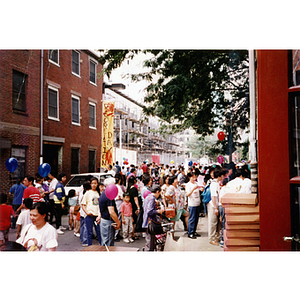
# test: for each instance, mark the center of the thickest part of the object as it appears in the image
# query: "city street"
(69, 242)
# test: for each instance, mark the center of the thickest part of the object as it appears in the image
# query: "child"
(6, 211)
(72, 201)
(24, 217)
(127, 220)
(90, 206)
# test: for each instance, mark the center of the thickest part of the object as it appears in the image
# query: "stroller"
(160, 239)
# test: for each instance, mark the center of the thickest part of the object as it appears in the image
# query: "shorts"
(179, 213)
(71, 213)
(4, 235)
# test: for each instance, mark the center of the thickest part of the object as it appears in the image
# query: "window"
(92, 160)
(74, 161)
(54, 56)
(19, 91)
(92, 115)
(93, 71)
(75, 110)
(19, 153)
(53, 111)
(75, 62)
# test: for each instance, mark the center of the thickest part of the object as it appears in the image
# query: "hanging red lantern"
(221, 136)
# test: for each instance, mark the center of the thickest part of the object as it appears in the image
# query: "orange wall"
(273, 149)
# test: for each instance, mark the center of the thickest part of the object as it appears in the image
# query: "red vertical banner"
(156, 158)
(107, 134)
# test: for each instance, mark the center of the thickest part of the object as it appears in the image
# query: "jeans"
(107, 232)
(83, 231)
(89, 222)
(222, 215)
(193, 219)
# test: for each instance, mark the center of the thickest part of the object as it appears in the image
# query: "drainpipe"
(252, 136)
(42, 104)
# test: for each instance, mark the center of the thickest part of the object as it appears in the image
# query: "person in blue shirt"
(17, 191)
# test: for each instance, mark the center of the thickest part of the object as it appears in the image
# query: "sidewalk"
(184, 243)
(68, 242)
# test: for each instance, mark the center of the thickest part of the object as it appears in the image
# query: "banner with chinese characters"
(107, 134)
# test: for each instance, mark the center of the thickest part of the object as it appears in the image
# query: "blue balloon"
(190, 163)
(11, 164)
(44, 169)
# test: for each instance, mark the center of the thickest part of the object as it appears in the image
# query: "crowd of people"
(144, 193)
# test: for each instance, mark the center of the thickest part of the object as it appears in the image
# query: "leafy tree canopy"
(199, 89)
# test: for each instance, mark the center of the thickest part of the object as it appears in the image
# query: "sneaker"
(197, 234)
(62, 228)
(221, 243)
(84, 245)
(70, 228)
(59, 231)
(191, 236)
(131, 240)
(126, 241)
(77, 234)
(215, 243)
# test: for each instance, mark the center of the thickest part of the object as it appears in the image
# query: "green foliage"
(199, 89)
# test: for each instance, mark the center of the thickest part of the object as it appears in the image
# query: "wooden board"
(239, 199)
(241, 248)
(242, 219)
(241, 209)
(242, 242)
(241, 234)
(241, 226)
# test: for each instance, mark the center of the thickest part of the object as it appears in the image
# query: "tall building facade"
(50, 111)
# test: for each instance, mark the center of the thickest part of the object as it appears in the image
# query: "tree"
(199, 89)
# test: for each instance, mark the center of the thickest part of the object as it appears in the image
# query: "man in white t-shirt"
(213, 206)
(193, 194)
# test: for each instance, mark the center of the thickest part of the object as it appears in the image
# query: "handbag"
(76, 208)
(170, 212)
(154, 227)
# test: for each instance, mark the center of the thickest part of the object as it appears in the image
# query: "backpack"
(206, 194)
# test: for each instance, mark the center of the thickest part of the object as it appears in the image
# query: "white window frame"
(93, 104)
(78, 75)
(57, 101)
(52, 61)
(77, 98)
(96, 63)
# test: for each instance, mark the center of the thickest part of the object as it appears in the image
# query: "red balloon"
(221, 136)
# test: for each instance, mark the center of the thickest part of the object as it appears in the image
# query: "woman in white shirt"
(40, 235)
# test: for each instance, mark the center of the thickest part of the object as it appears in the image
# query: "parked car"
(77, 180)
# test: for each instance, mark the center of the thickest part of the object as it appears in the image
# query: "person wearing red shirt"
(6, 211)
(30, 192)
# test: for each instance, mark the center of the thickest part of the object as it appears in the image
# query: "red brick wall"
(73, 134)
(28, 62)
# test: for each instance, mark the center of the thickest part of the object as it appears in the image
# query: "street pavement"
(69, 242)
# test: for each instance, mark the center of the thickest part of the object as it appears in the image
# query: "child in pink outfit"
(127, 220)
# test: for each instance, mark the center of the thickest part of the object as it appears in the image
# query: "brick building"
(64, 85)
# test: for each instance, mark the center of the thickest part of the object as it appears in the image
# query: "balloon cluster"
(125, 161)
